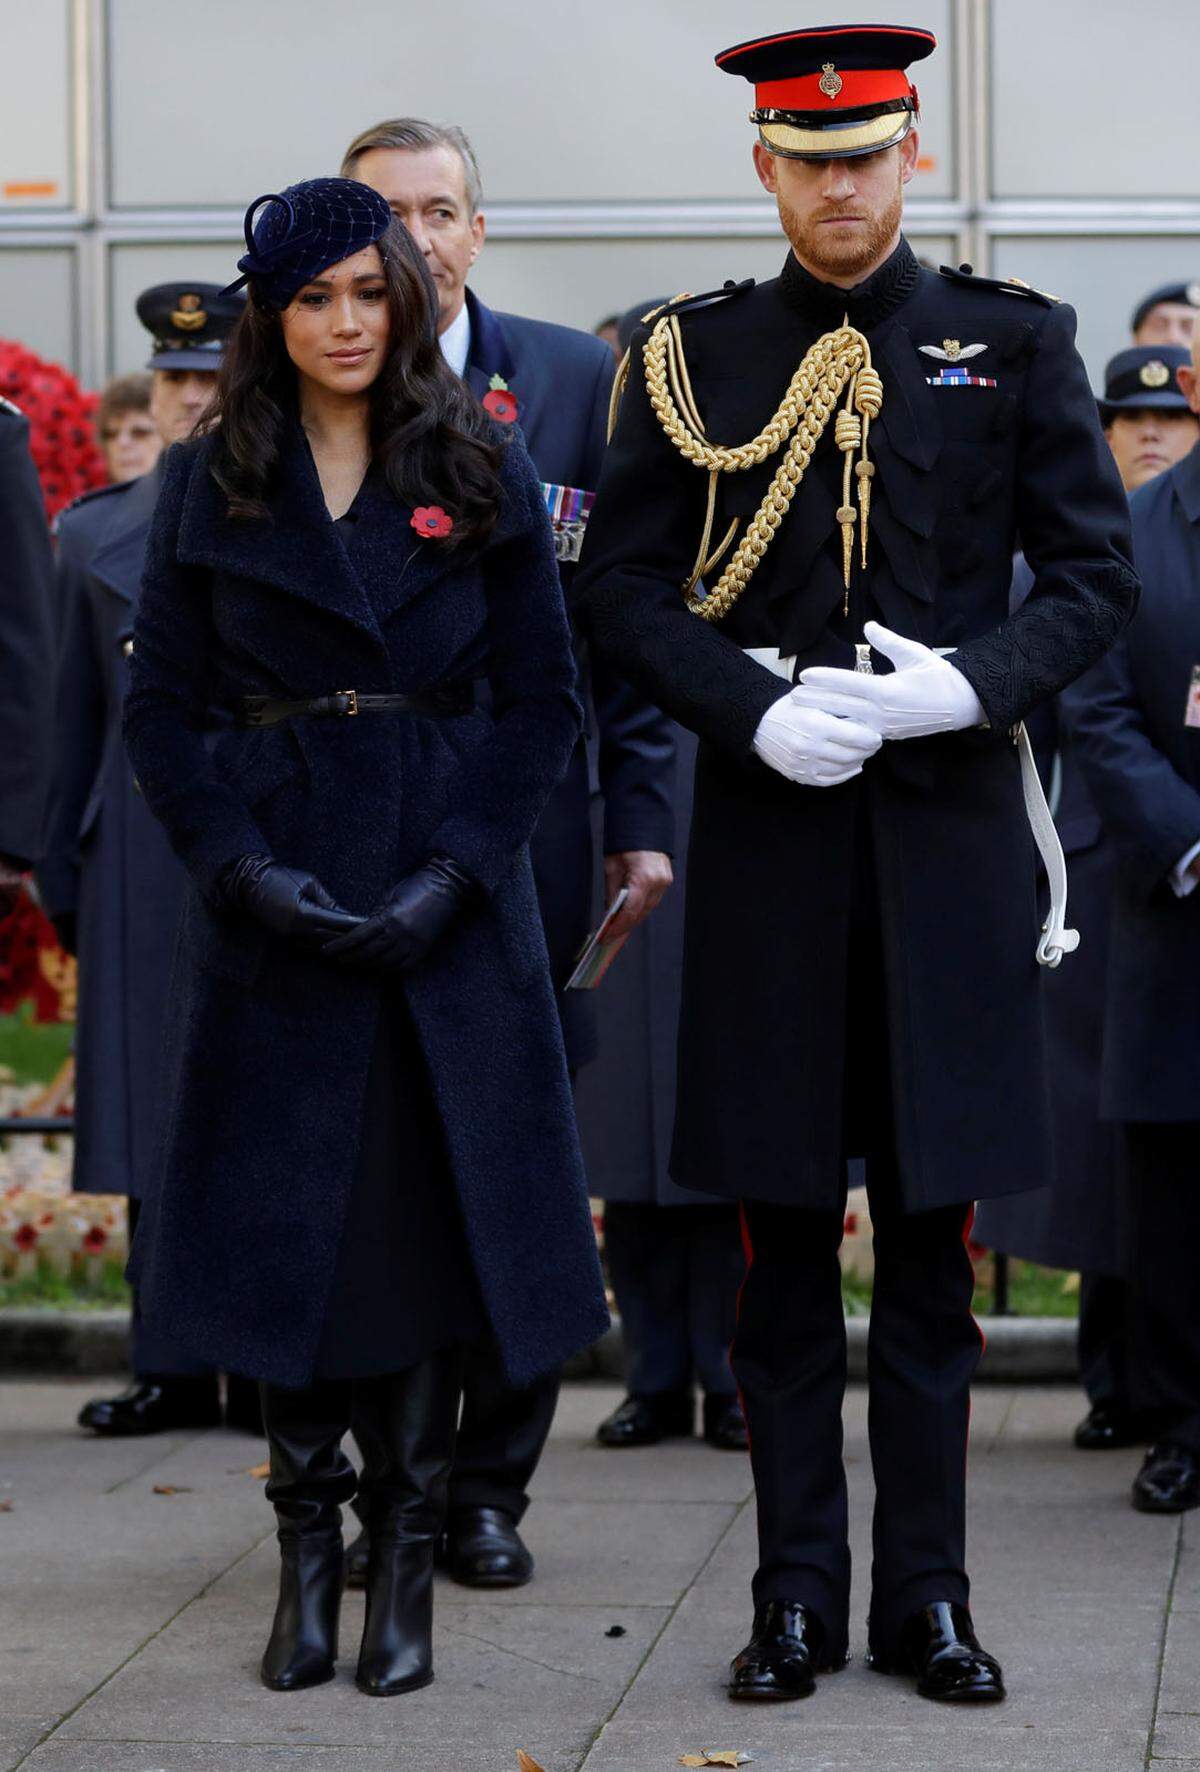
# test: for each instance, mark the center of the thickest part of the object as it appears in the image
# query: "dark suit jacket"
(106, 860)
(962, 473)
(26, 645)
(1143, 766)
(562, 379)
(269, 1047)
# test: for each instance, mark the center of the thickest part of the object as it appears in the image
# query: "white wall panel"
(1103, 277)
(37, 299)
(35, 110)
(1094, 98)
(601, 102)
(579, 282)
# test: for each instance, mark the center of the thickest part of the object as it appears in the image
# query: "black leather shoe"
(1104, 1429)
(357, 1556)
(1169, 1480)
(644, 1421)
(243, 1409)
(785, 1654)
(725, 1425)
(939, 1646)
(154, 1408)
(483, 1548)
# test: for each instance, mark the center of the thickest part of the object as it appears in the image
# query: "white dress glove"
(817, 749)
(924, 693)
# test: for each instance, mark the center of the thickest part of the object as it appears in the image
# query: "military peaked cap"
(189, 323)
(1143, 376)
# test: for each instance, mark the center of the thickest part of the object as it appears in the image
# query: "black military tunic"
(987, 439)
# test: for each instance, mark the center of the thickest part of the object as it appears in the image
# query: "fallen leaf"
(171, 1489)
(692, 1760)
(259, 1470)
(724, 1756)
(526, 1762)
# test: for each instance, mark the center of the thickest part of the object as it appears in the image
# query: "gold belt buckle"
(352, 697)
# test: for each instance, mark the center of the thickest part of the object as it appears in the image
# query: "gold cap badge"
(1154, 374)
(830, 83)
(189, 316)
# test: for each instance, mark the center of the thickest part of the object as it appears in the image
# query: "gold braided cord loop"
(838, 362)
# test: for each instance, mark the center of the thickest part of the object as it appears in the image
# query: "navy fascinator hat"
(303, 230)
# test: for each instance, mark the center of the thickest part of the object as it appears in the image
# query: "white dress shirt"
(456, 341)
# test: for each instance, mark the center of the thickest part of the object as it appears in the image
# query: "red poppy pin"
(500, 401)
(432, 522)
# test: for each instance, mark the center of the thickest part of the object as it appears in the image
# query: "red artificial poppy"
(25, 1237)
(501, 405)
(95, 1239)
(432, 522)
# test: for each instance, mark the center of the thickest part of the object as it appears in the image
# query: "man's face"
(427, 191)
(841, 216)
(177, 399)
(1168, 323)
(1148, 441)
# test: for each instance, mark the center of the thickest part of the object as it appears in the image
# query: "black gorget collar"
(824, 305)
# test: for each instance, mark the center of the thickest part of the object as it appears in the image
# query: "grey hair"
(410, 133)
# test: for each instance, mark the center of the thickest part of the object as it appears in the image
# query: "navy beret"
(1185, 294)
(303, 230)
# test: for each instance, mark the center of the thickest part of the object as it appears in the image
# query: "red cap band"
(858, 87)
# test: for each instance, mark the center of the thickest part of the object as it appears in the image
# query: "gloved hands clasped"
(288, 901)
(400, 932)
(809, 746)
(924, 694)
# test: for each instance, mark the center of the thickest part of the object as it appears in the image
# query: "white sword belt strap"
(1056, 939)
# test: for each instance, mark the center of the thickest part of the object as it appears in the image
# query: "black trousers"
(675, 1271)
(501, 1434)
(1164, 1294)
(1103, 1343)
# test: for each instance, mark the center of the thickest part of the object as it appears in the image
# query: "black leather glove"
(66, 927)
(288, 901)
(400, 932)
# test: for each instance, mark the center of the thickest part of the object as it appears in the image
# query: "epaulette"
(86, 498)
(7, 406)
(1003, 285)
(682, 304)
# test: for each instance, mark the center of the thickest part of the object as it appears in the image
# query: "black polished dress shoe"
(1169, 1480)
(785, 1654)
(147, 1408)
(1104, 1429)
(482, 1548)
(939, 1646)
(644, 1420)
(725, 1425)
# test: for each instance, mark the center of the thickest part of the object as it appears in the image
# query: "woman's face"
(337, 329)
(131, 444)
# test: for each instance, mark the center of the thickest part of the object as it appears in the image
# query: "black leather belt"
(266, 710)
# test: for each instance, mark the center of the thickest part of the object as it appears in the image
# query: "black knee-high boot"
(405, 1425)
(310, 1477)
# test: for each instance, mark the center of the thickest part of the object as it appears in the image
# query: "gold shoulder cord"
(838, 361)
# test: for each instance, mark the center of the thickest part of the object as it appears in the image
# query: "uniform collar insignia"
(951, 351)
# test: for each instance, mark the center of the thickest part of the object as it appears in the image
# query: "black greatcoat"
(106, 861)
(964, 475)
(270, 1048)
(26, 645)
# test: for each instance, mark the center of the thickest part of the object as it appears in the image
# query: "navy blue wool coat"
(269, 1047)
(26, 644)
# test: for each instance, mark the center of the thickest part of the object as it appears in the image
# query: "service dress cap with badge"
(1184, 295)
(189, 322)
(1141, 377)
(832, 92)
(295, 234)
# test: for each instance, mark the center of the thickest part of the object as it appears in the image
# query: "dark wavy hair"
(432, 439)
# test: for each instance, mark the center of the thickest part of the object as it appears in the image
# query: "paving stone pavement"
(131, 1621)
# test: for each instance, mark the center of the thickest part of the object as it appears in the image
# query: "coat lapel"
(299, 551)
(490, 354)
(117, 563)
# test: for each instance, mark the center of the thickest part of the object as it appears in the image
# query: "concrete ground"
(131, 1620)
